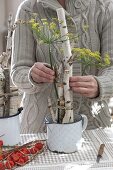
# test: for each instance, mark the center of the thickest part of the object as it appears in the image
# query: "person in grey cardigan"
(30, 74)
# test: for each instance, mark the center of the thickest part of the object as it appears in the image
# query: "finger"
(42, 74)
(40, 79)
(44, 68)
(86, 92)
(82, 84)
(80, 90)
(80, 78)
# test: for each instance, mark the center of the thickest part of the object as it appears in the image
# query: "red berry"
(9, 164)
(20, 161)
(19, 154)
(4, 154)
(26, 158)
(24, 150)
(9, 158)
(15, 157)
(1, 157)
(1, 143)
(33, 150)
(2, 167)
(36, 149)
(39, 145)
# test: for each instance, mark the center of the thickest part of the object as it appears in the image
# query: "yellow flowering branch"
(87, 58)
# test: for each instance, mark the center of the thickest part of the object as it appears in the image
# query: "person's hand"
(42, 73)
(87, 86)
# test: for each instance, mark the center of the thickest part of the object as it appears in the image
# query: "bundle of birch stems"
(64, 111)
(6, 91)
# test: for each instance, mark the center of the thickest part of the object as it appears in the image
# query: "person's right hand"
(41, 73)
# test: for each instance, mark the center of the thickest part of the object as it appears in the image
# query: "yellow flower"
(35, 25)
(45, 23)
(32, 21)
(107, 59)
(55, 19)
(44, 20)
(88, 58)
(53, 26)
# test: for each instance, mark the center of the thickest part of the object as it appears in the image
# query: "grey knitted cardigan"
(98, 15)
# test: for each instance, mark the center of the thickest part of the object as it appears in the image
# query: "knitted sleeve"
(105, 76)
(23, 53)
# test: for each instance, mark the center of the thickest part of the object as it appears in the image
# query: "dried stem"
(7, 90)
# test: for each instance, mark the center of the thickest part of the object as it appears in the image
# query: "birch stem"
(61, 103)
(7, 90)
(67, 66)
(51, 110)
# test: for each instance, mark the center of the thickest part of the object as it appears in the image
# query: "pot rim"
(47, 121)
(18, 112)
(55, 123)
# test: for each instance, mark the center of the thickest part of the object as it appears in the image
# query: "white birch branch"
(68, 68)
(9, 38)
(51, 110)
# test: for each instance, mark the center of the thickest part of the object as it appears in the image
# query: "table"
(85, 159)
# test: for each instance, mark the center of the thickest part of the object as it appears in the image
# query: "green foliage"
(49, 33)
(88, 58)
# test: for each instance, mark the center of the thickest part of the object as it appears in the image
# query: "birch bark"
(67, 66)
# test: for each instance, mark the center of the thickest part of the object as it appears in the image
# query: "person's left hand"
(87, 86)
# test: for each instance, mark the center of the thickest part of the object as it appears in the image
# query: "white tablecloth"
(85, 159)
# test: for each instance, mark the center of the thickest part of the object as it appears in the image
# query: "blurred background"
(12, 103)
(7, 7)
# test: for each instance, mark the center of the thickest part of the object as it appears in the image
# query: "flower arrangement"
(56, 32)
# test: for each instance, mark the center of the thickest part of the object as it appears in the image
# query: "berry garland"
(19, 155)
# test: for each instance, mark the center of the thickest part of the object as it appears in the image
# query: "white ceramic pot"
(66, 138)
(10, 129)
